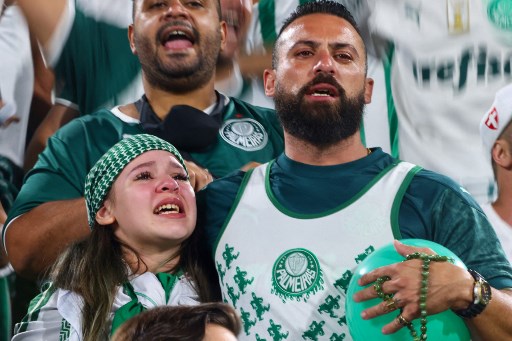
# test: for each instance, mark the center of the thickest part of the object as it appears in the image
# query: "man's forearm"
(43, 17)
(494, 322)
(35, 239)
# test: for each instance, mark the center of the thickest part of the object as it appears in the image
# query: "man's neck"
(503, 203)
(347, 150)
(162, 101)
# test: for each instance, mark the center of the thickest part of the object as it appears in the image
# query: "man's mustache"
(322, 78)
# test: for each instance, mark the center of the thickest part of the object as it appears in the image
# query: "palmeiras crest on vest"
(296, 275)
(244, 133)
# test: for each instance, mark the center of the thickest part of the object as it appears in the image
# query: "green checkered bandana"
(111, 164)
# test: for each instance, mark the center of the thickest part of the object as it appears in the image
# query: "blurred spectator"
(496, 133)
(85, 43)
(448, 59)
(16, 85)
(228, 76)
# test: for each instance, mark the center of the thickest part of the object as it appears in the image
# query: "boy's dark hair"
(178, 323)
(315, 7)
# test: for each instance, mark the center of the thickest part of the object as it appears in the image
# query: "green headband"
(102, 176)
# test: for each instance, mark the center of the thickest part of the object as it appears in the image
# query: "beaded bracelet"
(423, 291)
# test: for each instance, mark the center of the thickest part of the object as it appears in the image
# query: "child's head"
(140, 187)
(204, 322)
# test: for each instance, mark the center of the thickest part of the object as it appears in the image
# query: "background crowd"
(78, 76)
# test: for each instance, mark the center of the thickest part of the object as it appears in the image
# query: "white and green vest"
(287, 273)
(56, 314)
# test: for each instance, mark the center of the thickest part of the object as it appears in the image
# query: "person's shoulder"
(438, 185)
(257, 110)
(229, 183)
(265, 116)
(97, 123)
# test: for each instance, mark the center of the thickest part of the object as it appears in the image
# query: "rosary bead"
(426, 259)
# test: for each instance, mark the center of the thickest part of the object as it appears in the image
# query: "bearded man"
(286, 235)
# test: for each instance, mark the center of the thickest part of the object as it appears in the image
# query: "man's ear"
(131, 40)
(269, 81)
(105, 215)
(223, 34)
(501, 154)
(368, 90)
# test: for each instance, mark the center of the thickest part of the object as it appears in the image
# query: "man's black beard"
(320, 124)
(178, 78)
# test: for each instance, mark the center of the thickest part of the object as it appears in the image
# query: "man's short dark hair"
(315, 7)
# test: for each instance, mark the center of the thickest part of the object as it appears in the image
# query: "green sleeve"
(437, 209)
(465, 230)
(96, 64)
(60, 171)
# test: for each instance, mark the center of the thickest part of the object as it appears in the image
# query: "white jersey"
(287, 273)
(56, 314)
(379, 121)
(503, 230)
(16, 81)
(449, 59)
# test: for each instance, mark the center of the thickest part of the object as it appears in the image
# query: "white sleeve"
(44, 321)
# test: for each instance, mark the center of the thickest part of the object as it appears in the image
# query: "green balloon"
(446, 326)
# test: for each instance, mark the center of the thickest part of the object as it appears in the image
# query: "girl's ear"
(105, 216)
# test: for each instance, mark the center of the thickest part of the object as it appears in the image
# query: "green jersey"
(91, 56)
(433, 207)
(247, 134)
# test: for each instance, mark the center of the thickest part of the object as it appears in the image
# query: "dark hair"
(314, 7)
(178, 323)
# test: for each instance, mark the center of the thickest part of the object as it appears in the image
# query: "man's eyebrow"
(332, 46)
(310, 43)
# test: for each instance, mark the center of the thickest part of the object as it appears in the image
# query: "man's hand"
(250, 165)
(450, 287)
(199, 177)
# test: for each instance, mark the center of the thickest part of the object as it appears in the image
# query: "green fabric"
(35, 307)
(10, 182)
(5, 310)
(267, 18)
(96, 64)
(168, 282)
(127, 311)
(433, 207)
(392, 114)
(134, 307)
(101, 177)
